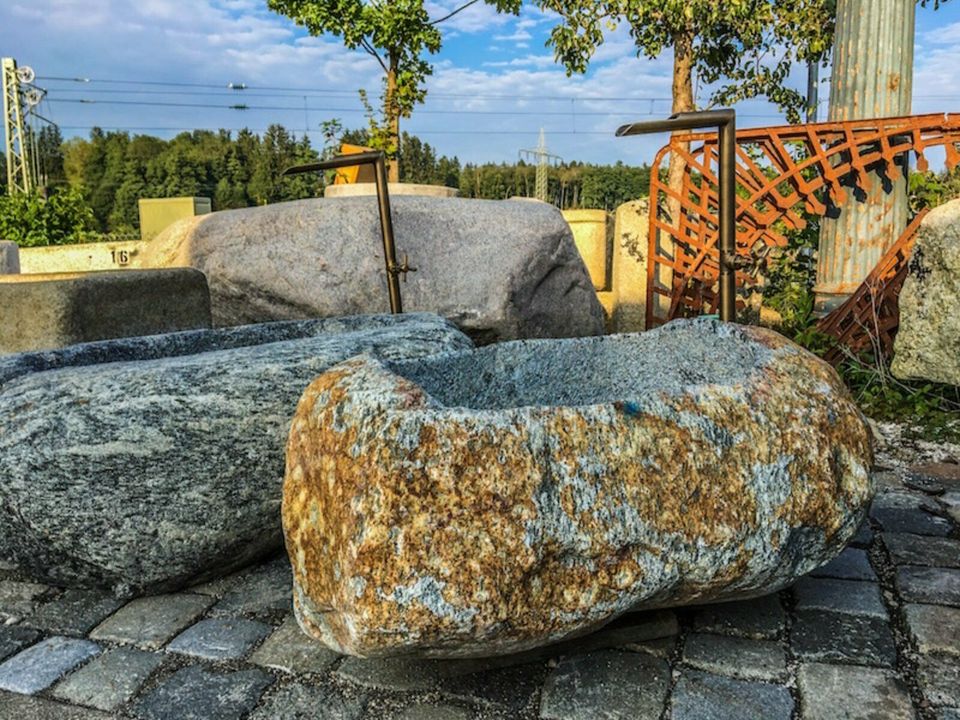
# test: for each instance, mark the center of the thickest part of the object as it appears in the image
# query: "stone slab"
(905, 512)
(831, 637)
(736, 657)
(151, 622)
(938, 586)
(760, 618)
(907, 549)
(14, 638)
(939, 677)
(851, 564)
(702, 696)
(76, 612)
(848, 692)
(195, 693)
(425, 711)
(396, 673)
(9, 258)
(44, 312)
(27, 707)
(41, 665)
(608, 684)
(843, 596)
(265, 591)
(934, 628)
(19, 599)
(507, 689)
(289, 649)
(220, 638)
(299, 701)
(110, 680)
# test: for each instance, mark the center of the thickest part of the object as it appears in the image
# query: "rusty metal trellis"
(781, 172)
(869, 318)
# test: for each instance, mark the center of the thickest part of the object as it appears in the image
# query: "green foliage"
(751, 43)
(929, 189)
(397, 34)
(114, 170)
(31, 220)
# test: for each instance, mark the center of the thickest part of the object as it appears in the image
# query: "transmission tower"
(543, 158)
(19, 168)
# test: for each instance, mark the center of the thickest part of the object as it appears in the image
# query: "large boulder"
(928, 341)
(490, 501)
(141, 464)
(499, 270)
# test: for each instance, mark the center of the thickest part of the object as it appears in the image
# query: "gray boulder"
(928, 342)
(498, 269)
(140, 464)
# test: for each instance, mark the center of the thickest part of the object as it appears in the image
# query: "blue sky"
(495, 82)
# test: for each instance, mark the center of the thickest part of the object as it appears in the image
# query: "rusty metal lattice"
(781, 172)
(869, 318)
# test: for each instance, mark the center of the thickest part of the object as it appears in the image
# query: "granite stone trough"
(488, 501)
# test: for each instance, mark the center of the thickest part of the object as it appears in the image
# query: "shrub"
(32, 220)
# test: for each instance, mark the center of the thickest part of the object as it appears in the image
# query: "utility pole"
(19, 174)
(543, 158)
(813, 90)
(872, 77)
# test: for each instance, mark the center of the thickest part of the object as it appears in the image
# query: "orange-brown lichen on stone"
(491, 501)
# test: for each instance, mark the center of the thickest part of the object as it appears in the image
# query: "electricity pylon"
(543, 157)
(19, 175)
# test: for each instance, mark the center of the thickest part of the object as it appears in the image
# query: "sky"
(495, 82)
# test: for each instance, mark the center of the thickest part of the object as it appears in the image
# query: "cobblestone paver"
(873, 634)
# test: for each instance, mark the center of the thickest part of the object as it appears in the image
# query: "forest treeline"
(111, 170)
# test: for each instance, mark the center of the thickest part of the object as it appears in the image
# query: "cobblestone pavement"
(874, 634)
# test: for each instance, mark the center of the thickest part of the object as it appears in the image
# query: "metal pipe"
(377, 159)
(726, 122)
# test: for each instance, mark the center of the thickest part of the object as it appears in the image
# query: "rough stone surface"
(851, 564)
(141, 475)
(109, 680)
(18, 599)
(759, 618)
(289, 650)
(903, 512)
(841, 638)
(195, 693)
(847, 692)
(934, 628)
(151, 622)
(702, 696)
(919, 550)
(219, 638)
(42, 311)
(9, 258)
(308, 702)
(928, 342)
(76, 612)
(939, 677)
(499, 270)
(264, 591)
(737, 657)
(25, 707)
(15, 638)
(41, 665)
(845, 596)
(536, 491)
(930, 585)
(606, 684)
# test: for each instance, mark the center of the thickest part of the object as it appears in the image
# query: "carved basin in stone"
(489, 501)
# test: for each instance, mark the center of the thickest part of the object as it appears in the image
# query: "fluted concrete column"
(872, 77)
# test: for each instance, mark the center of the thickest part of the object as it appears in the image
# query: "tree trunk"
(393, 122)
(682, 102)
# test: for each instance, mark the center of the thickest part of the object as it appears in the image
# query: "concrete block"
(9, 258)
(44, 312)
(592, 237)
(631, 230)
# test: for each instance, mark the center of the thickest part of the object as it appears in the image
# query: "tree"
(396, 33)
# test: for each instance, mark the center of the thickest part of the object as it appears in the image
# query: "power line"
(420, 111)
(246, 87)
